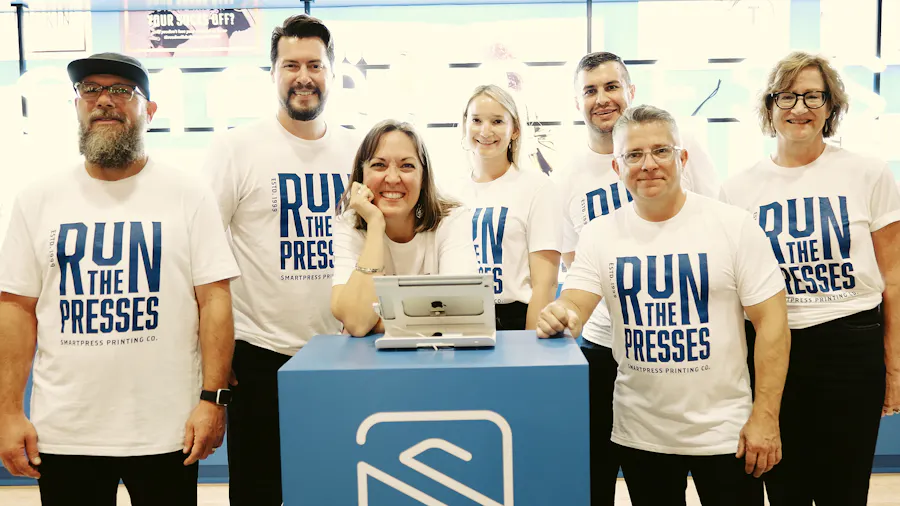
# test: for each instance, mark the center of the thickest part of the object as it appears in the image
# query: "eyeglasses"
(662, 154)
(811, 99)
(117, 92)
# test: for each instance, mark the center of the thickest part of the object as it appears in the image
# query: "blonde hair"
(506, 100)
(785, 73)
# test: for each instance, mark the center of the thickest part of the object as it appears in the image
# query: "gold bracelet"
(366, 270)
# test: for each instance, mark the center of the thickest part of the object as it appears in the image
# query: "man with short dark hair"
(277, 182)
(117, 273)
(591, 189)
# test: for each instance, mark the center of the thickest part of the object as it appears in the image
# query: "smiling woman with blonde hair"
(517, 221)
(831, 217)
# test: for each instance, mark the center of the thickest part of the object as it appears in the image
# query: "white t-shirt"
(514, 215)
(828, 260)
(676, 292)
(447, 250)
(591, 189)
(278, 194)
(113, 265)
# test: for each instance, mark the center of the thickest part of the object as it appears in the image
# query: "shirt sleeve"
(544, 231)
(723, 195)
(569, 234)
(884, 204)
(222, 174)
(211, 256)
(585, 272)
(20, 272)
(456, 252)
(757, 274)
(348, 244)
(699, 174)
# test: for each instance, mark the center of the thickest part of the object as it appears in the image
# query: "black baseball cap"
(111, 63)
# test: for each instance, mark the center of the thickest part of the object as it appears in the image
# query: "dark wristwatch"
(221, 396)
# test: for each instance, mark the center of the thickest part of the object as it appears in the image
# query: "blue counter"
(397, 428)
(215, 468)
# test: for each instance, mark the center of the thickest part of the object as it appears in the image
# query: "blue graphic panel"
(467, 427)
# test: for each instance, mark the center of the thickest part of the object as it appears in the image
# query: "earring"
(419, 212)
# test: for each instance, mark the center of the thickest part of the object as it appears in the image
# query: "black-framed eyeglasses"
(117, 92)
(787, 99)
(662, 154)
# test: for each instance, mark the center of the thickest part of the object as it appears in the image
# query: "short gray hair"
(643, 114)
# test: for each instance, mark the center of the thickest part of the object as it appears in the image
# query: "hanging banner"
(210, 32)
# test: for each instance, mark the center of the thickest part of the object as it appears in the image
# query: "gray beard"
(112, 148)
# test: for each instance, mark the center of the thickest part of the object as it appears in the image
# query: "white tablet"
(436, 311)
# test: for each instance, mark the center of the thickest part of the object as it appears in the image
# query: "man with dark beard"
(277, 183)
(117, 273)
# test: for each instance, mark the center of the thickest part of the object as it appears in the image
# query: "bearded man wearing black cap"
(117, 274)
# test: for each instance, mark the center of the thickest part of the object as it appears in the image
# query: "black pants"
(602, 369)
(152, 480)
(659, 479)
(511, 316)
(254, 443)
(830, 412)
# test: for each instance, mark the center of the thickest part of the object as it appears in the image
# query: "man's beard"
(110, 146)
(596, 129)
(307, 114)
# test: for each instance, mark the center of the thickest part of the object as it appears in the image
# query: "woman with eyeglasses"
(517, 222)
(831, 217)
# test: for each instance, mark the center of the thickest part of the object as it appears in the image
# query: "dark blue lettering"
(638, 337)
(151, 263)
(772, 233)
(91, 314)
(807, 272)
(653, 278)
(700, 295)
(631, 292)
(704, 343)
(122, 307)
(628, 343)
(602, 197)
(663, 345)
(77, 316)
(99, 234)
(152, 304)
(106, 311)
(822, 277)
(847, 271)
(648, 338)
(71, 261)
(809, 227)
(830, 224)
(323, 206)
(691, 344)
(64, 314)
(290, 210)
(136, 313)
(491, 238)
(678, 345)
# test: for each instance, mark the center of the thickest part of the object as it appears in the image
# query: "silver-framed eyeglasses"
(662, 154)
(787, 99)
(117, 92)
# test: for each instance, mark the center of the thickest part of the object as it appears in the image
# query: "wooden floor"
(884, 491)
